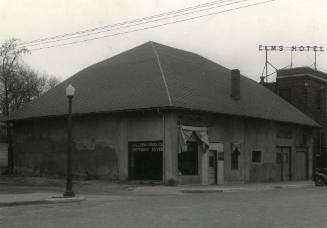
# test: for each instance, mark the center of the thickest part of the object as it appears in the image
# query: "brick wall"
(309, 95)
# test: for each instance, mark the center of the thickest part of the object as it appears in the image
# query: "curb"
(293, 186)
(263, 188)
(54, 200)
(201, 191)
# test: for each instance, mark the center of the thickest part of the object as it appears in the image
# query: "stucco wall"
(100, 144)
(100, 148)
(40, 147)
(252, 134)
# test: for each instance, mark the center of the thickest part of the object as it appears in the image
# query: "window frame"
(261, 156)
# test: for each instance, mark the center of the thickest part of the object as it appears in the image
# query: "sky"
(230, 39)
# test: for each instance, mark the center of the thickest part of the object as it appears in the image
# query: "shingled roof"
(153, 75)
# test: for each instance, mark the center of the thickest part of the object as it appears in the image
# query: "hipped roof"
(153, 75)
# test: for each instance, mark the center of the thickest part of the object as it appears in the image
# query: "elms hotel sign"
(291, 48)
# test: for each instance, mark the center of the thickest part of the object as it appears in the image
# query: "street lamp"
(70, 91)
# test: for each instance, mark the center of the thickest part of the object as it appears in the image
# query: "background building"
(156, 113)
(306, 89)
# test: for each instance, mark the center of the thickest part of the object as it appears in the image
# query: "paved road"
(277, 208)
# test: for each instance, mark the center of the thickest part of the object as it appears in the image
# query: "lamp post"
(70, 91)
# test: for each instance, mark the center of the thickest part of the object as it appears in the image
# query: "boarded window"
(188, 159)
(257, 156)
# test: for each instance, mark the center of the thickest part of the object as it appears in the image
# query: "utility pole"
(266, 64)
(315, 63)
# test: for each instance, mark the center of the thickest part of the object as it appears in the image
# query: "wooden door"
(284, 158)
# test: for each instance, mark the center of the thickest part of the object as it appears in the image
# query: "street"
(274, 208)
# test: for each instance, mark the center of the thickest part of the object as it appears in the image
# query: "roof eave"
(162, 108)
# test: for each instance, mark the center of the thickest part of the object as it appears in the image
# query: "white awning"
(237, 145)
(186, 133)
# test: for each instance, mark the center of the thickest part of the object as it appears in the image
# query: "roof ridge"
(162, 72)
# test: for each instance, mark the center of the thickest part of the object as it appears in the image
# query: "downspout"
(317, 164)
(163, 147)
(244, 153)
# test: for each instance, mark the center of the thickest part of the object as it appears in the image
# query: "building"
(156, 113)
(306, 89)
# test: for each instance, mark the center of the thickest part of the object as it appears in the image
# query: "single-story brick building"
(158, 113)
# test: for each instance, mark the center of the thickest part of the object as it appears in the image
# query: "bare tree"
(49, 82)
(10, 62)
(19, 84)
(27, 85)
(10, 59)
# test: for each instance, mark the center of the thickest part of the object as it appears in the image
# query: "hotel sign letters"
(291, 48)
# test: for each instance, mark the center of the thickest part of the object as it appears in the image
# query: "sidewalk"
(7, 200)
(224, 188)
(26, 191)
(16, 191)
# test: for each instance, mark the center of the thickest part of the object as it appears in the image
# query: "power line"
(133, 25)
(156, 26)
(126, 22)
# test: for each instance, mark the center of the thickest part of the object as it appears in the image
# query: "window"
(211, 161)
(234, 158)
(256, 156)
(188, 160)
(220, 156)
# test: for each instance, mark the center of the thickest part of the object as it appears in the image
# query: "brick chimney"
(235, 84)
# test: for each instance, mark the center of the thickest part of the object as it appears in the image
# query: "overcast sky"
(230, 39)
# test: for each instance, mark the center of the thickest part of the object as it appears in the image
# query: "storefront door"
(284, 160)
(216, 163)
(301, 163)
(145, 160)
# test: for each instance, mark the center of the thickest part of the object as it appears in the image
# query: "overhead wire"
(126, 22)
(155, 26)
(133, 25)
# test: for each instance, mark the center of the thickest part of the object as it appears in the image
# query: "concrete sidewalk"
(224, 188)
(15, 191)
(7, 200)
(27, 191)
